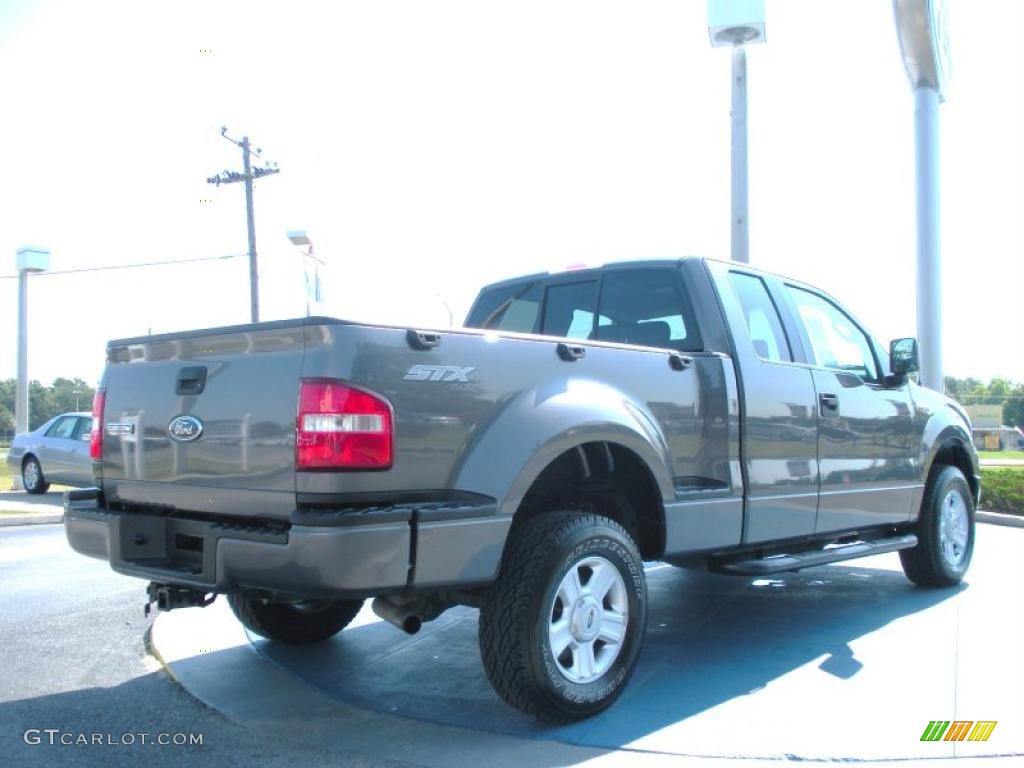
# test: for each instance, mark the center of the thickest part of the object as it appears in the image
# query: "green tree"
(45, 402)
(6, 419)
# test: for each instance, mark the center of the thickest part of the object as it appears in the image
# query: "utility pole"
(248, 175)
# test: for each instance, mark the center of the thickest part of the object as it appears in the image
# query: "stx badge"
(439, 373)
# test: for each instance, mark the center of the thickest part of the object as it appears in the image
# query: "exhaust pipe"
(402, 616)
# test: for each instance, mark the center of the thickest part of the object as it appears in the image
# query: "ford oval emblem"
(185, 429)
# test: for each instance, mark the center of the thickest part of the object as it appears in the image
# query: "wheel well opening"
(607, 479)
(953, 454)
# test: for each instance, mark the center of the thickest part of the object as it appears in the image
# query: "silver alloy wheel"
(30, 474)
(588, 620)
(953, 528)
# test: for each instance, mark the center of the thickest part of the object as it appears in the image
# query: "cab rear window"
(514, 308)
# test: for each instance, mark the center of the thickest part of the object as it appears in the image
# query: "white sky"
(431, 147)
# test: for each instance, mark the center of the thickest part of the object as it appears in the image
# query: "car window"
(64, 428)
(646, 307)
(508, 308)
(836, 341)
(762, 317)
(84, 426)
(569, 310)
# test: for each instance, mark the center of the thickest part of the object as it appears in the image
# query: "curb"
(30, 519)
(999, 518)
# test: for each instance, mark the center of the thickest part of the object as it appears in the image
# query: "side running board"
(778, 563)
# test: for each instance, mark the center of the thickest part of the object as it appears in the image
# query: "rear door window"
(569, 310)
(84, 426)
(646, 307)
(762, 317)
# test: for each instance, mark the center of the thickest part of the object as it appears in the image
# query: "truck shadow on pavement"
(710, 639)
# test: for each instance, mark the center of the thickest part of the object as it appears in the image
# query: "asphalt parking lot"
(844, 662)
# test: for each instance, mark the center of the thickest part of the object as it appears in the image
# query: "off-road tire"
(925, 564)
(285, 623)
(40, 486)
(516, 615)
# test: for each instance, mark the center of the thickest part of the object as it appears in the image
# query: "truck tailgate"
(237, 390)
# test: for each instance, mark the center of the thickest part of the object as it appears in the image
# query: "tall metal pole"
(922, 27)
(929, 257)
(254, 278)
(740, 213)
(21, 395)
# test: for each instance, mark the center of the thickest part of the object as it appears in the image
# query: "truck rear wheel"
(299, 623)
(945, 532)
(562, 626)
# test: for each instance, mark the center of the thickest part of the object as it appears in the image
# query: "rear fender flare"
(537, 425)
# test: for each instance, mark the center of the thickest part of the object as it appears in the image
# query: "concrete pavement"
(31, 509)
(845, 662)
(73, 657)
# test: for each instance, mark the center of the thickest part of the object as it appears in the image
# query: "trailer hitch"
(168, 597)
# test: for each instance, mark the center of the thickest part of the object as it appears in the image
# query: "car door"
(79, 460)
(56, 449)
(779, 426)
(867, 450)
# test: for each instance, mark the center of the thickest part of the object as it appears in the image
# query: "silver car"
(56, 452)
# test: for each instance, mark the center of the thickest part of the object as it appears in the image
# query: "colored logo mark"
(958, 730)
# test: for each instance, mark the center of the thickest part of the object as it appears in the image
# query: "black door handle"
(570, 352)
(422, 339)
(829, 404)
(679, 362)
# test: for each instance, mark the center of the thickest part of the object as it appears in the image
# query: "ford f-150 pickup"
(701, 413)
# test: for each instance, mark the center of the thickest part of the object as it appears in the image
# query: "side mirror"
(85, 436)
(903, 356)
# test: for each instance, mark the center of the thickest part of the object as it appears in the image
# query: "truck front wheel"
(945, 532)
(562, 626)
(298, 623)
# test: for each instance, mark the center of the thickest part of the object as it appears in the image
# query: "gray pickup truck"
(696, 412)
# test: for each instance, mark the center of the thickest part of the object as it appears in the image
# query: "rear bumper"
(376, 554)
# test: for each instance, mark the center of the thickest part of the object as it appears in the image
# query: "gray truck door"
(867, 450)
(780, 431)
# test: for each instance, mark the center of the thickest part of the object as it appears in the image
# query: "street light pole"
(740, 194)
(21, 396)
(922, 28)
(736, 24)
(28, 259)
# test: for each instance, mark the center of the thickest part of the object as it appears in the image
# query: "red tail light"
(342, 428)
(99, 401)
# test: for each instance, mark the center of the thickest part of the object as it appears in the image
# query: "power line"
(128, 266)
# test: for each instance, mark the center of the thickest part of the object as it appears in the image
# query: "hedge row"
(1002, 489)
